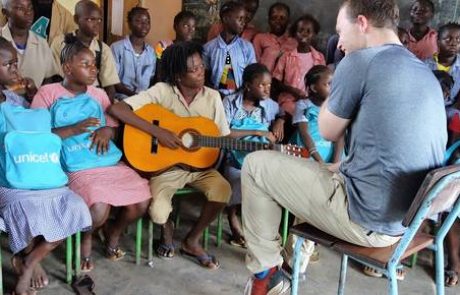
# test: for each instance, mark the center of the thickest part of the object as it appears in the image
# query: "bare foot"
(39, 278)
(24, 274)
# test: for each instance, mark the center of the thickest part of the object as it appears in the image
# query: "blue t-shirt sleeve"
(347, 87)
(251, 54)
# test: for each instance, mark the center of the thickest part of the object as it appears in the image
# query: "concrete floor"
(182, 276)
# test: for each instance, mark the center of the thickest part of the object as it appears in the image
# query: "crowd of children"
(240, 63)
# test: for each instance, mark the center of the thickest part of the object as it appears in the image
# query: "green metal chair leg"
(206, 238)
(138, 241)
(285, 230)
(68, 259)
(77, 254)
(150, 241)
(219, 230)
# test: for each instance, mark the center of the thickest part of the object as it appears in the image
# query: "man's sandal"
(372, 272)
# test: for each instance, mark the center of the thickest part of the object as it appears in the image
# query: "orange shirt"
(425, 47)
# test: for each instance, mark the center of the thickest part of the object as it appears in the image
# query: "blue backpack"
(29, 153)
(76, 154)
(237, 157)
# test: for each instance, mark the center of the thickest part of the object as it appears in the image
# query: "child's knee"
(99, 214)
(220, 192)
(160, 209)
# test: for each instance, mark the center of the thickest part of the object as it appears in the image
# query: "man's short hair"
(380, 13)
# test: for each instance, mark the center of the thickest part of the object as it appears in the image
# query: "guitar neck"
(231, 143)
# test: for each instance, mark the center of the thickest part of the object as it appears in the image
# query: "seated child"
(89, 19)
(35, 57)
(184, 25)
(452, 269)
(51, 19)
(227, 55)
(102, 186)
(422, 38)
(36, 221)
(134, 58)
(249, 31)
(447, 60)
(269, 47)
(250, 107)
(317, 81)
(292, 66)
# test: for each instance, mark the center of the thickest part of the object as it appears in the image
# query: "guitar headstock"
(295, 150)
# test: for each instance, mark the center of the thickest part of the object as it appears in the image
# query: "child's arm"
(236, 133)
(123, 89)
(76, 129)
(278, 128)
(308, 141)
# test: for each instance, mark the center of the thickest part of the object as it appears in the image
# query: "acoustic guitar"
(201, 142)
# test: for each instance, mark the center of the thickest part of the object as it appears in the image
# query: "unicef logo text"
(37, 158)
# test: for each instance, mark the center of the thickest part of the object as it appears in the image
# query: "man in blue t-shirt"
(390, 108)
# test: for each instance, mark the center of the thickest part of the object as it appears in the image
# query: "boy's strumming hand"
(100, 139)
(168, 138)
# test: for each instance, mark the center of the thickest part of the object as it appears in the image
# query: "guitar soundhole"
(189, 141)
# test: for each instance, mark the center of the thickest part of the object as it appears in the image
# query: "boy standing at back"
(88, 18)
(269, 47)
(228, 54)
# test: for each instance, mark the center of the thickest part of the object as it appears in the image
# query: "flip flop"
(451, 275)
(84, 285)
(207, 261)
(238, 242)
(87, 259)
(114, 254)
(165, 251)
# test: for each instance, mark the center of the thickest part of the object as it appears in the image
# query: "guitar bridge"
(154, 146)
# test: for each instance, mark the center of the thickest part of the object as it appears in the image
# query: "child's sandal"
(115, 254)
(88, 262)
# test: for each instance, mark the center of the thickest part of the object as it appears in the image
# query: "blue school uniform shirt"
(15, 99)
(241, 54)
(135, 70)
(306, 111)
(265, 114)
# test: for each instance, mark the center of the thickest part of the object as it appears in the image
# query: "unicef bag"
(29, 153)
(32, 160)
(237, 157)
(76, 153)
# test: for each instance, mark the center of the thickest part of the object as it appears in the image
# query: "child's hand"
(168, 138)
(278, 129)
(270, 136)
(100, 139)
(30, 88)
(83, 126)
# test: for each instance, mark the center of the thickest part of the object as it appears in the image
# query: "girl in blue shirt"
(250, 113)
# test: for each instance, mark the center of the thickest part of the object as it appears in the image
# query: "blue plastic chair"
(438, 192)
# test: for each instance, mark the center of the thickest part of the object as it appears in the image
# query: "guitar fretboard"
(231, 143)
